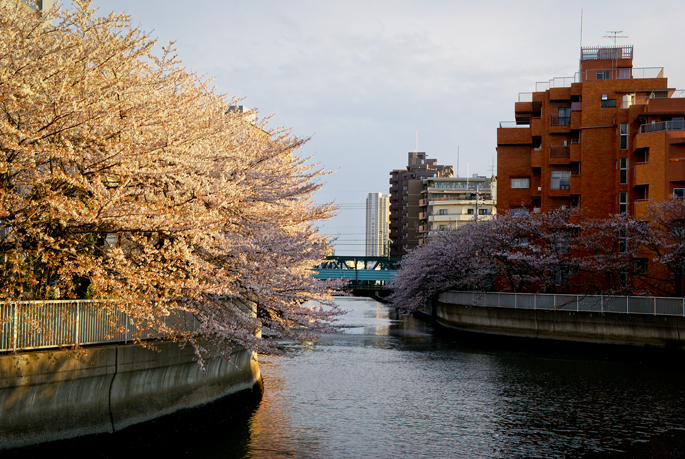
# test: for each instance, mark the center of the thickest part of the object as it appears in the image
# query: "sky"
(365, 79)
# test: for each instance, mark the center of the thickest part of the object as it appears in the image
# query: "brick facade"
(605, 140)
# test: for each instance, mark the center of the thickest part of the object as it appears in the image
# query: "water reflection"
(389, 387)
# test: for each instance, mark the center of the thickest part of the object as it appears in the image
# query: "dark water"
(389, 387)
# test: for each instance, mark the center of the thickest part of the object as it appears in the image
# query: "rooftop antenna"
(417, 142)
(614, 35)
(581, 28)
(492, 168)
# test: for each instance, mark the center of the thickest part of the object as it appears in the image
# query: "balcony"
(641, 174)
(622, 73)
(559, 154)
(559, 123)
(537, 127)
(575, 151)
(536, 158)
(673, 125)
(559, 151)
(513, 135)
(423, 215)
(560, 183)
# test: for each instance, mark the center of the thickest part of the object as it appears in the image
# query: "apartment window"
(562, 243)
(560, 180)
(564, 116)
(442, 211)
(519, 183)
(622, 241)
(640, 266)
(519, 212)
(623, 171)
(609, 103)
(623, 279)
(624, 136)
(470, 211)
(678, 193)
(484, 211)
(622, 203)
(603, 75)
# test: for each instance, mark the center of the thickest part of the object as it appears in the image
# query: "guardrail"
(658, 306)
(28, 325)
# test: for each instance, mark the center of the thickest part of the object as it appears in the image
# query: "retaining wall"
(591, 327)
(49, 395)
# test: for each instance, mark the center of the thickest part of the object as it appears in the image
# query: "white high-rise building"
(377, 224)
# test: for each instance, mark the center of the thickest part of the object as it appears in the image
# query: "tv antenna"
(492, 168)
(614, 35)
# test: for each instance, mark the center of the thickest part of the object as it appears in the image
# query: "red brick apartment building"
(606, 140)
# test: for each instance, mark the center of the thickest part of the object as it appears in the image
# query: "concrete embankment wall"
(590, 327)
(50, 395)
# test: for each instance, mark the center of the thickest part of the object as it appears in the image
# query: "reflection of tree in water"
(273, 433)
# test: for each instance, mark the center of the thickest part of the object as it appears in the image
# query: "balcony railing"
(512, 124)
(673, 125)
(560, 183)
(556, 120)
(525, 97)
(623, 73)
(559, 151)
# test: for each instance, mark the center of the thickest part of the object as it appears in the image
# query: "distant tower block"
(377, 224)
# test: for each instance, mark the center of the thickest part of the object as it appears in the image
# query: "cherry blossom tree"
(662, 240)
(124, 176)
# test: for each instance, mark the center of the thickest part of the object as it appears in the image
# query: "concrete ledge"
(49, 395)
(589, 327)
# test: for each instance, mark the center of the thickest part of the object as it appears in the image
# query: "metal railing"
(525, 97)
(27, 325)
(559, 151)
(560, 183)
(674, 125)
(588, 53)
(658, 306)
(556, 120)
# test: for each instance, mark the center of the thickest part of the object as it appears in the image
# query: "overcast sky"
(361, 78)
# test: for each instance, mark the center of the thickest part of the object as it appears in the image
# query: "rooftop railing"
(591, 53)
(29, 325)
(525, 97)
(657, 306)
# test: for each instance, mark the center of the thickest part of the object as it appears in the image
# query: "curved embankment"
(581, 326)
(49, 395)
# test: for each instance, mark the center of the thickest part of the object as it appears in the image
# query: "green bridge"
(363, 272)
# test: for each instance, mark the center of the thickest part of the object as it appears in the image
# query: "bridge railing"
(27, 325)
(658, 306)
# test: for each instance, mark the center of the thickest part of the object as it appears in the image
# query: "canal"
(389, 387)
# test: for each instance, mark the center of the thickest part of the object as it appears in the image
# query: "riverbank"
(50, 395)
(582, 326)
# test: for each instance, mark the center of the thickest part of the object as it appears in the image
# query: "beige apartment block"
(448, 203)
